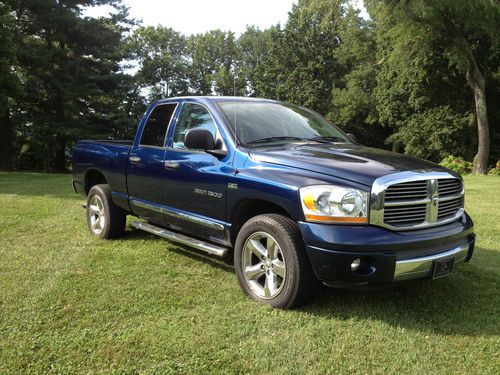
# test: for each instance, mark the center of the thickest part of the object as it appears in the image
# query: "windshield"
(265, 122)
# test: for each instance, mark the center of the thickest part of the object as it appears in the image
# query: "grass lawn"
(70, 303)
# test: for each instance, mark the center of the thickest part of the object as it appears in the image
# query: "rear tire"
(104, 219)
(271, 263)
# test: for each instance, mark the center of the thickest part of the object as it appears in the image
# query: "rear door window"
(157, 125)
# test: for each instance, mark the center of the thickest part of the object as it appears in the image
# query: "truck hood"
(345, 161)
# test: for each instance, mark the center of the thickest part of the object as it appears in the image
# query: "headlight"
(334, 204)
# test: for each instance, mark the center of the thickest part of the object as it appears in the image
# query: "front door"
(195, 189)
(146, 169)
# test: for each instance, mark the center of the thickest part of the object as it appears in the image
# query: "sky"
(198, 16)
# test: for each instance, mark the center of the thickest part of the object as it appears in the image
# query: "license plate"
(443, 267)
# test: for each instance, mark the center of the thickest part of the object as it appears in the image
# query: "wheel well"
(247, 209)
(93, 177)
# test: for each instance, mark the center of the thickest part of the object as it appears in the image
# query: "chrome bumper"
(423, 267)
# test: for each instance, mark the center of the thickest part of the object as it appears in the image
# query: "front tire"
(104, 218)
(270, 261)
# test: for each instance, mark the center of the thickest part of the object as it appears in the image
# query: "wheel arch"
(248, 208)
(93, 176)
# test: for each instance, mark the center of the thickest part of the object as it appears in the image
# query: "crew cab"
(281, 192)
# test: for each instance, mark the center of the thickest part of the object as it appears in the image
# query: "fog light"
(355, 264)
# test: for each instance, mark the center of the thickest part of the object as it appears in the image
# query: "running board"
(180, 238)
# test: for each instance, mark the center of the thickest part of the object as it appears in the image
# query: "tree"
(212, 63)
(353, 100)
(9, 85)
(466, 32)
(420, 99)
(163, 61)
(300, 65)
(252, 52)
(70, 65)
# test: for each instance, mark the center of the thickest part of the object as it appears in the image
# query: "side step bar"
(180, 238)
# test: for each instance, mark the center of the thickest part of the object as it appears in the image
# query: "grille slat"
(449, 203)
(397, 222)
(449, 187)
(402, 197)
(450, 208)
(403, 208)
(408, 187)
(406, 217)
(414, 212)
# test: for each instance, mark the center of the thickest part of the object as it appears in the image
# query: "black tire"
(113, 225)
(294, 287)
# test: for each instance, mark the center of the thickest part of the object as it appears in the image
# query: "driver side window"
(192, 116)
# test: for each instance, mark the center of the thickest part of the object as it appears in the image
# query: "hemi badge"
(232, 186)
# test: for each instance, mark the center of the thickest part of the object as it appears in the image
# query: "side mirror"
(352, 137)
(202, 139)
(199, 139)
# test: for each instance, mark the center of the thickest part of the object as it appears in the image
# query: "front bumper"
(386, 256)
(423, 266)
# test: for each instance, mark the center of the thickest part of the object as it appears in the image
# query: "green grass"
(70, 303)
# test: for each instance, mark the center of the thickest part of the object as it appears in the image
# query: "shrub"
(495, 171)
(457, 164)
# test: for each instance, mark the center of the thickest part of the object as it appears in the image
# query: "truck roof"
(219, 99)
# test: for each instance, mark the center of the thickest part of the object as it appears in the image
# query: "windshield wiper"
(280, 138)
(327, 139)
(321, 139)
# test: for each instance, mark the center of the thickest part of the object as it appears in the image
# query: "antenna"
(234, 108)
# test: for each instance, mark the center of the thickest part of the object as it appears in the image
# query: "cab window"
(192, 116)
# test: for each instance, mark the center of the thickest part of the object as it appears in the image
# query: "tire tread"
(301, 288)
(117, 217)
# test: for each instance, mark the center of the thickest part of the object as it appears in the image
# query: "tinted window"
(192, 116)
(254, 121)
(157, 124)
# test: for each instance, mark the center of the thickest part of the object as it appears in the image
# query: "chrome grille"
(411, 200)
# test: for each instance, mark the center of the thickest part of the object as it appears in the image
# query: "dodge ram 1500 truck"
(281, 191)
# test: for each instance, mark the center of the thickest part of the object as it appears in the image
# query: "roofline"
(214, 98)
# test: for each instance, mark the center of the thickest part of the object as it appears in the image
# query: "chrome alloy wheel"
(263, 265)
(97, 214)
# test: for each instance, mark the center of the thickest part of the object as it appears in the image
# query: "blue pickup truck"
(281, 192)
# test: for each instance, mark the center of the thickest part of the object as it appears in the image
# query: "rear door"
(146, 164)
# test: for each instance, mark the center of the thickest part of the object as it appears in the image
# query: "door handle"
(134, 159)
(169, 164)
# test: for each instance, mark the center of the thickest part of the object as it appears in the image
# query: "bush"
(457, 164)
(495, 171)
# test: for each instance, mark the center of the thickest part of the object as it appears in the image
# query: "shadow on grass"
(187, 251)
(466, 303)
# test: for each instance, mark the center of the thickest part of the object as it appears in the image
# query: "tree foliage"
(429, 51)
(420, 77)
(69, 66)
(9, 85)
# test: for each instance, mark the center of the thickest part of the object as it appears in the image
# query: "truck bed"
(106, 156)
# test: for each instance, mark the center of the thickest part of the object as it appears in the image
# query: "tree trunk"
(471, 138)
(60, 159)
(476, 82)
(5, 141)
